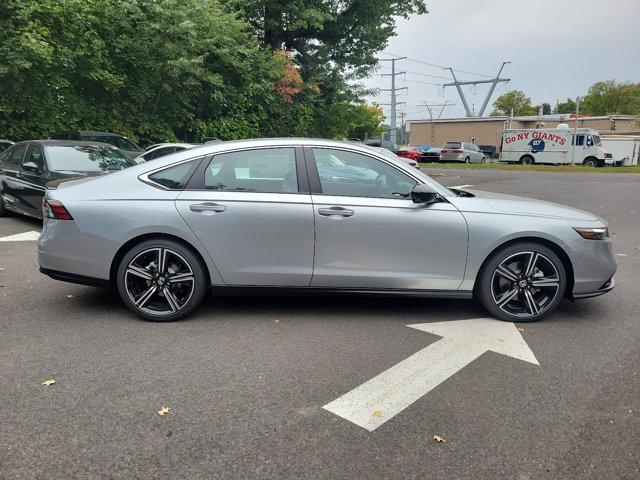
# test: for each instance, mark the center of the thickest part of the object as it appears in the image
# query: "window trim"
(196, 182)
(314, 176)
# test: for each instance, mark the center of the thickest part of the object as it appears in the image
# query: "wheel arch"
(554, 247)
(115, 262)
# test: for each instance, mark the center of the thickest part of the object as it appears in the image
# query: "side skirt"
(301, 291)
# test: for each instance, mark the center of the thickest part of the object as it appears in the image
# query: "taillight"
(54, 209)
(456, 151)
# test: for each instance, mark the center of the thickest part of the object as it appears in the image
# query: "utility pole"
(393, 132)
(494, 82)
(575, 132)
(432, 105)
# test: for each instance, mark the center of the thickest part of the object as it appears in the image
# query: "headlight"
(593, 233)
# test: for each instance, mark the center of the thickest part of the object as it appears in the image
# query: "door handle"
(207, 207)
(335, 211)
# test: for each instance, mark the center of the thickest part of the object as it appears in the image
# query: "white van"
(553, 145)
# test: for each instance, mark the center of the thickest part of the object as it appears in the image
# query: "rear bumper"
(73, 278)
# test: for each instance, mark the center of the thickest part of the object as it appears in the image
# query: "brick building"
(488, 130)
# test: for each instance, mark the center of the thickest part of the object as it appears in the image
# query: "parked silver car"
(462, 152)
(161, 149)
(314, 215)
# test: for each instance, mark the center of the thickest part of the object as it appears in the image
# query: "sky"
(557, 49)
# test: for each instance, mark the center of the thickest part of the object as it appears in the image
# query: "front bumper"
(607, 287)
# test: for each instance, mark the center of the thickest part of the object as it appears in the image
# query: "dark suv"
(123, 143)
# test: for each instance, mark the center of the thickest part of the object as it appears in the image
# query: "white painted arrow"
(22, 237)
(387, 394)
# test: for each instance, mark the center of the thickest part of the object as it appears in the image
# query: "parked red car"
(411, 153)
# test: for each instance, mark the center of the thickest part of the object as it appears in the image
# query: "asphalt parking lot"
(246, 378)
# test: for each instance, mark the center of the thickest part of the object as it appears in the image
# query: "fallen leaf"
(46, 383)
(1, 285)
(1, 269)
(377, 413)
(276, 321)
(163, 411)
(520, 329)
(68, 296)
(439, 439)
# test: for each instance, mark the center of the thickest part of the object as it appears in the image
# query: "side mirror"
(423, 194)
(31, 167)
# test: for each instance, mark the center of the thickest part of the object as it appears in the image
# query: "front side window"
(15, 155)
(34, 155)
(351, 174)
(87, 158)
(176, 177)
(269, 170)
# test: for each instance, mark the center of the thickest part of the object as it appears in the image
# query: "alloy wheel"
(525, 284)
(159, 281)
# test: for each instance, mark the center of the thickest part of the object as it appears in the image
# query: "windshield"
(87, 158)
(596, 140)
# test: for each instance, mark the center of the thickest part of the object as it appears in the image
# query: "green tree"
(515, 101)
(151, 69)
(610, 97)
(566, 107)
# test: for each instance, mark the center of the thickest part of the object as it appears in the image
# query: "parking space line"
(31, 236)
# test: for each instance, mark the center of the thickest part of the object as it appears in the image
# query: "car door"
(10, 187)
(370, 234)
(33, 177)
(252, 211)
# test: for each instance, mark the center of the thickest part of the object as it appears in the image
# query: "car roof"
(64, 143)
(90, 132)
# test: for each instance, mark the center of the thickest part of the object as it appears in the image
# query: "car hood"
(512, 204)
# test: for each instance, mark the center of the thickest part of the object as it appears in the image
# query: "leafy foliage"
(610, 97)
(161, 70)
(515, 101)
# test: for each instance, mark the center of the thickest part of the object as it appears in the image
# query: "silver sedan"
(314, 215)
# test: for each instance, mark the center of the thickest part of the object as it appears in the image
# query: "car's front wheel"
(522, 283)
(161, 280)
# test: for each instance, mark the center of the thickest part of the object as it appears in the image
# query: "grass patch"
(533, 168)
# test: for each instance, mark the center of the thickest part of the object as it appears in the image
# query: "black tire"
(186, 295)
(590, 162)
(467, 160)
(492, 286)
(527, 160)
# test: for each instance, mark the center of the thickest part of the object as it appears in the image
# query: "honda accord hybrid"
(314, 215)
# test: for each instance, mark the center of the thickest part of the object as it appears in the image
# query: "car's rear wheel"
(161, 280)
(527, 160)
(522, 283)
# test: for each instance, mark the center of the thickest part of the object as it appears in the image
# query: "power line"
(421, 62)
(447, 43)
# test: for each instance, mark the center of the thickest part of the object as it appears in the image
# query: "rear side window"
(268, 170)
(176, 177)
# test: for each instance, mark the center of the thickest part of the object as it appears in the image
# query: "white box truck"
(553, 145)
(624, 149)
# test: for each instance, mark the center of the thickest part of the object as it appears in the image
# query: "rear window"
(86, 158)
(456, 145)
(120, 142)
